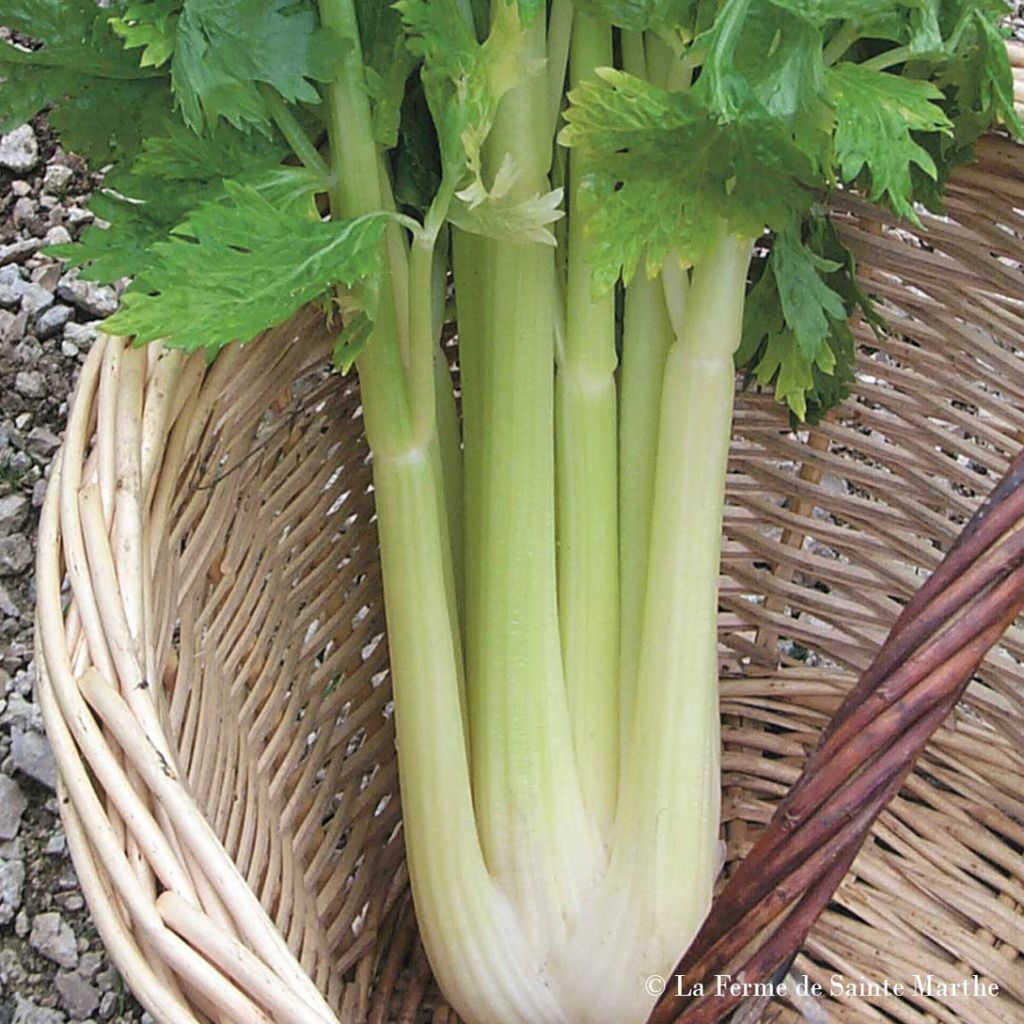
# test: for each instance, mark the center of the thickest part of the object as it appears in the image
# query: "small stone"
(56, 846)
(21, 924)
(76, 215)
(36, 299)
(57, 178)
(18, 252)
(31, 753)
(57, 235)
(80, 335)
(95, 299)
(13, 513)
(24, 419)
(23, 713)
(41, 442)
(12, 287)
(53, 938)
(19, 150)
(15, 554)
(28, 351)
(30, 384)
(8, 607)
(89, 965)
(108, 1004)
(13, 805)
(14, 328)
(53, 320)
(26, 1012)
(12, 885)
(47, 275)
(77, 996)
(7, 319)
(24, 212)
(20, 187)
(39, 493)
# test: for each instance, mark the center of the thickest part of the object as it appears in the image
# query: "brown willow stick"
(765, 912)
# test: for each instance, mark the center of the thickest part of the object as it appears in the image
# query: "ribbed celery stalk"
(538, 840)
(646, 337)
(586, 447)
(478, 950)
(471, 930)
(668, 821)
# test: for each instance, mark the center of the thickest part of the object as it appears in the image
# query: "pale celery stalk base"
(587, 485)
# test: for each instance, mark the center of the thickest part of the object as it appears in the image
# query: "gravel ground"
(52, 964)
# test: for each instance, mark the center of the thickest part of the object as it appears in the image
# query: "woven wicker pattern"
(214, 675)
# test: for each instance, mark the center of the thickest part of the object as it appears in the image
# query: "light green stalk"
(357, 191)
(646, 338)
(667, 826)
(464, 917)
(472, 932)
(587, 485)
(539, 842)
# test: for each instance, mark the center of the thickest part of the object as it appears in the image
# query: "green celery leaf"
(808, 303)
(176, 171)
(149, 25)
(796, 333)
(82, 73)
(239, 266)
(388, 63)
(980, 77)
(876, 114)
(670, 168)
(222, 51)
(780, 56)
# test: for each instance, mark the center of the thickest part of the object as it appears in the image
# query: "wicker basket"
(214, 678)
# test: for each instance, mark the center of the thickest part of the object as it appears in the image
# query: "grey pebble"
(80, 335)
(36, 299)
(19, 150)
(13, 513)
(8, 606)
(30, 383)
(12, 885)
(58, 235)
(13, 805)
(53, 320)
(31, 753)
(24, 212)
(57, 178)
(15, 554)
(26, 1012)
(95, 299)
(52, 937)
(41, 442)
(12, 286)
(39, 493)
(13, 326)
(77, 996)
(18, 251)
